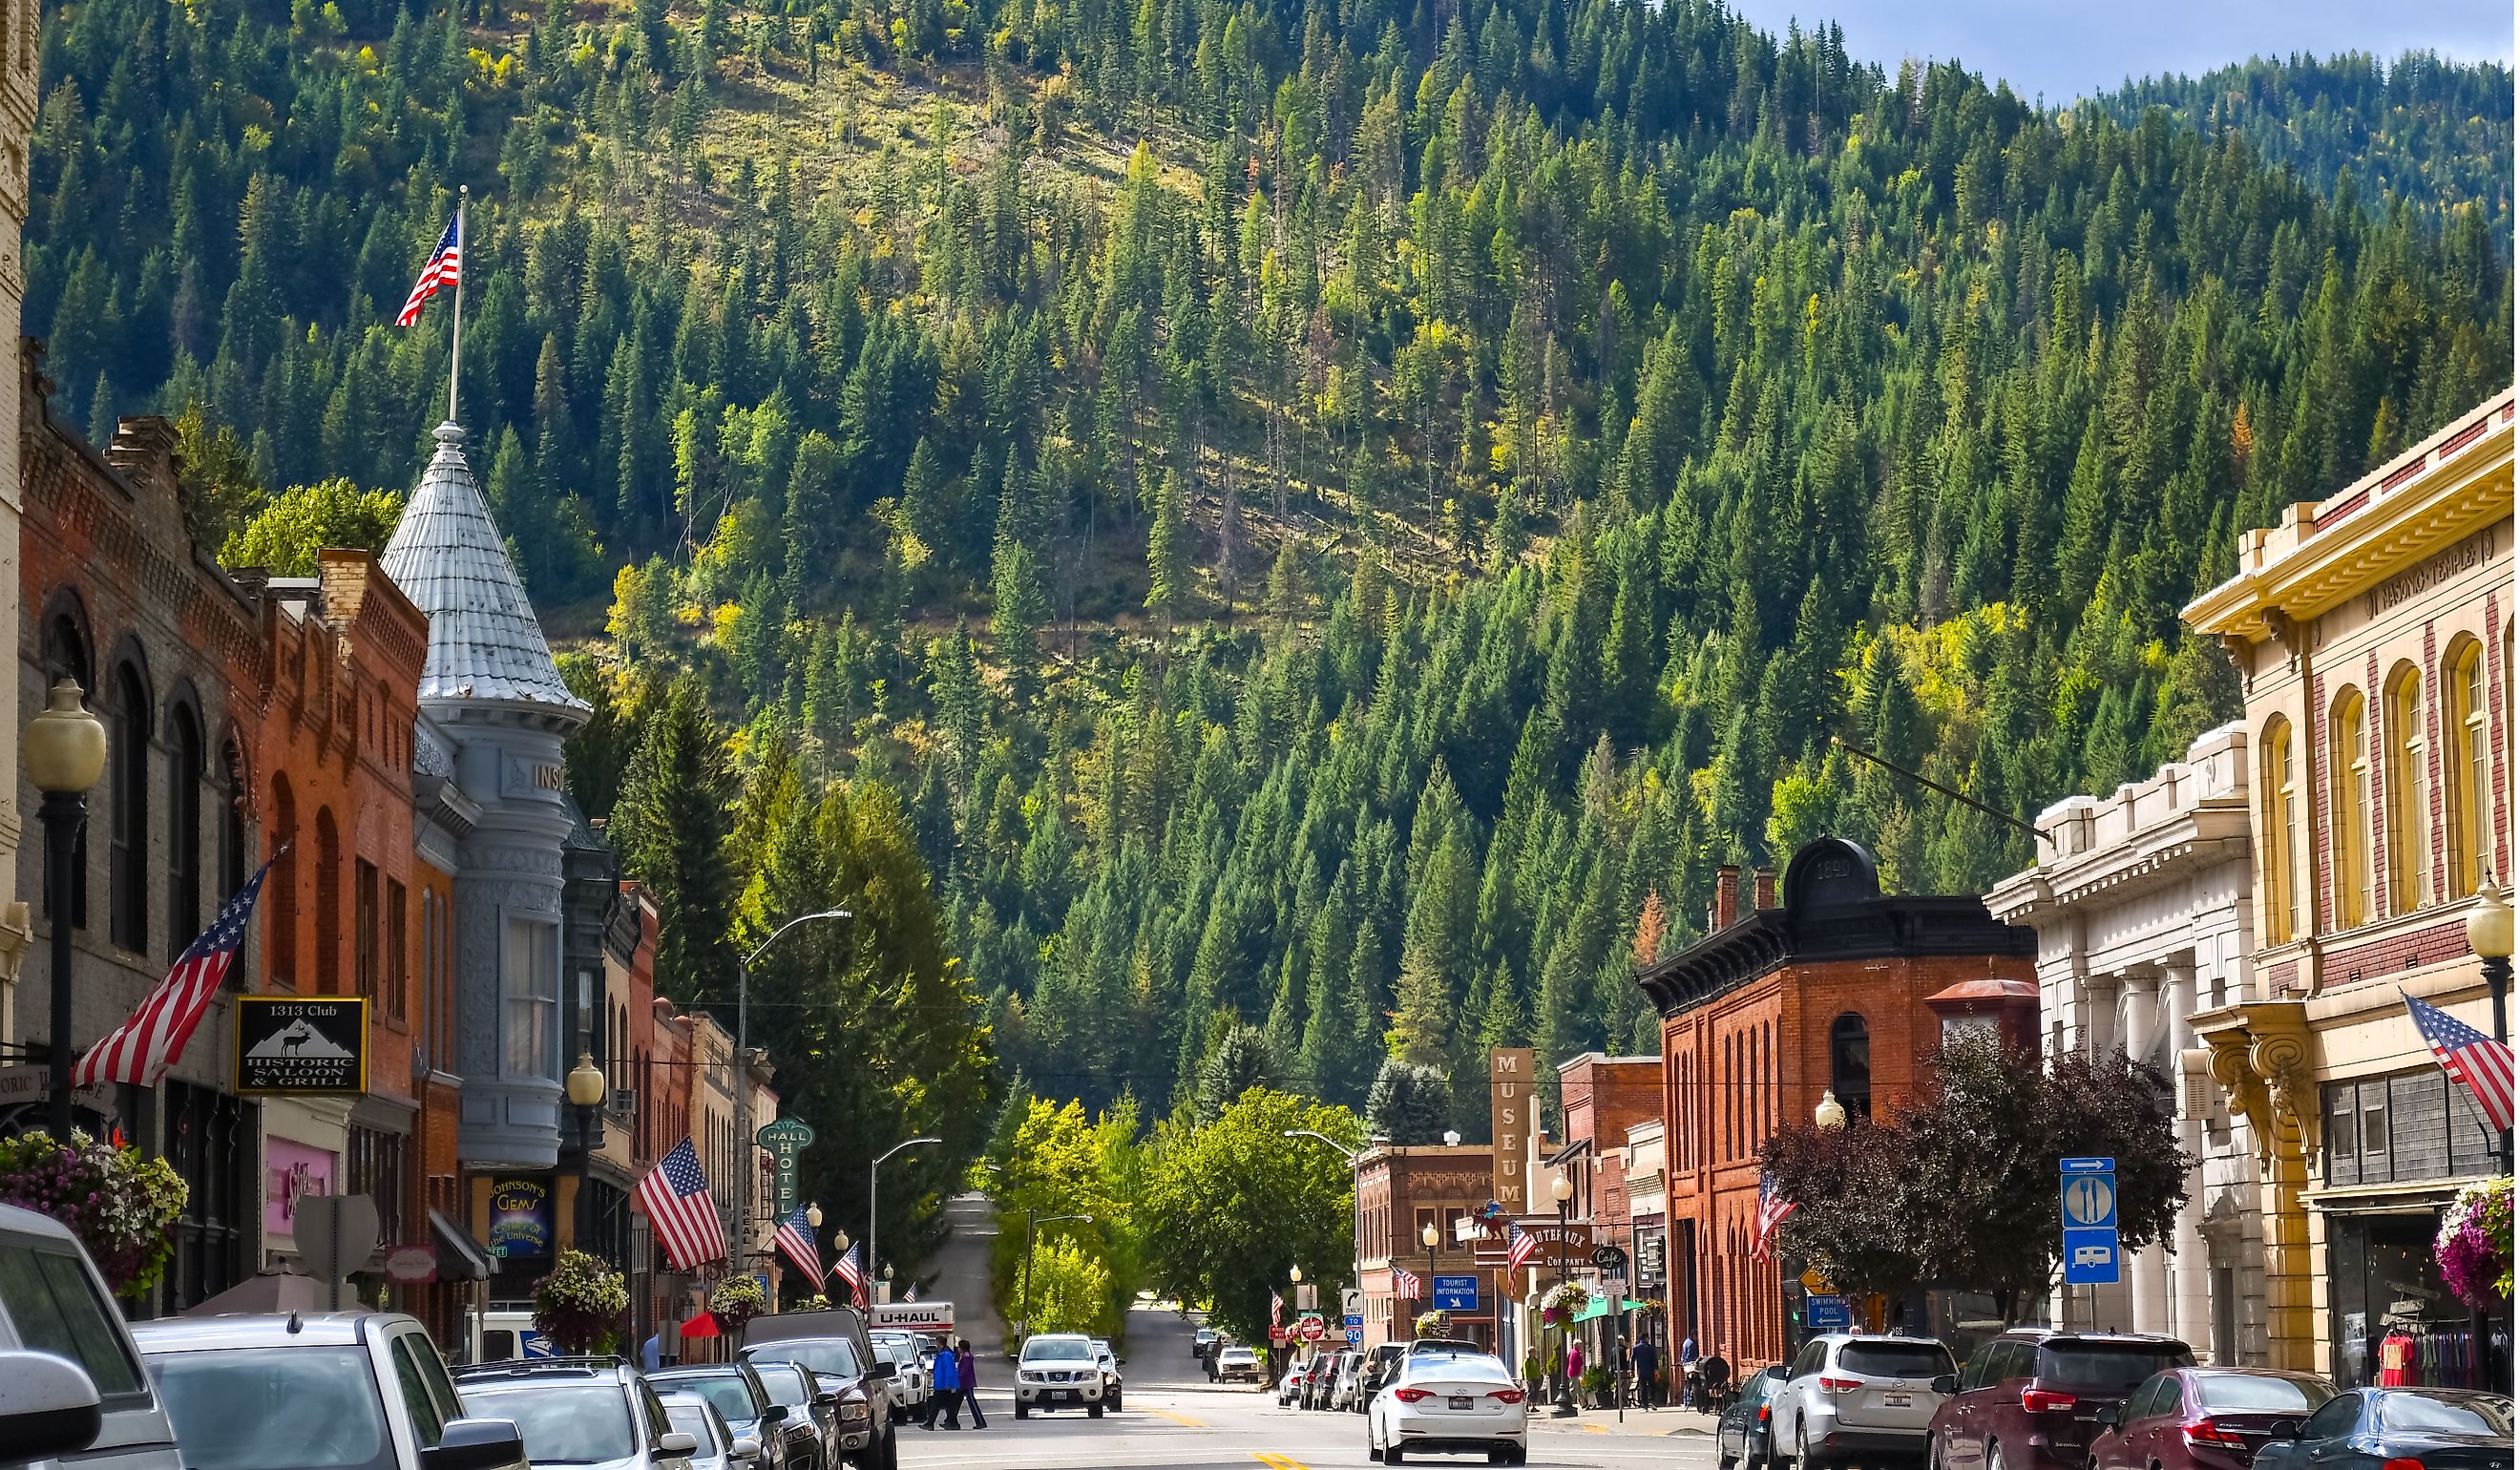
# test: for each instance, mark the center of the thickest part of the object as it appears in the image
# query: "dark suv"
(787, 1444)
(2031, 1399)
(835, 1346)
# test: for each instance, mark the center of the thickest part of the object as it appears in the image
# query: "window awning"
(459, 1258)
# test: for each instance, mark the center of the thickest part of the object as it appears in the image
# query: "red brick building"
(1401, 1190)
(1825, 993)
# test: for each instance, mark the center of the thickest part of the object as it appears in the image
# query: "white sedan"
(1449, 1402)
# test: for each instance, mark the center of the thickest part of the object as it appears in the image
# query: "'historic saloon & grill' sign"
(301, 1046)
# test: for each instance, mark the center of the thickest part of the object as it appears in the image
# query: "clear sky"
(2064, 49)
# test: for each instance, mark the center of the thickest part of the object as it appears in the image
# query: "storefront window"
(2392, 1308)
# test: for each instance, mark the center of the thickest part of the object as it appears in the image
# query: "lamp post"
(870, 1187)
(64, 756)
(1831, 1115)
(1430, 1238)
(749, 1174)
(1562, 1190)
(1034, 1223)
(2489, 934)
(586, 1095)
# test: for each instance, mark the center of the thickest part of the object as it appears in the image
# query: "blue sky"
(2065, 49)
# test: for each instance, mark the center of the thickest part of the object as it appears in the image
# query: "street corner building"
(1824, 986)
(2373, 634)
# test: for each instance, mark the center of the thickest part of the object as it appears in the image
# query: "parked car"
(810, 1406)
(1458, 1402)
(1742, 1430)
(1858, 1394)
(1236, 1364)
(1203, 1343)
(1057, 1369)
(836, 1346)
(1110, 1362)
(74, 1382)
(738, 1393)
(1378, 1364)
(1347, 1373)
(909, 1383)
(2408, 1428)
(1319, 1371)
(2032, 1398)
(1290, 1383)
(596, 1411)
(720, 1448)
(2204, 1418)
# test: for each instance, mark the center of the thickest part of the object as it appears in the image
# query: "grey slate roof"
(448, 557)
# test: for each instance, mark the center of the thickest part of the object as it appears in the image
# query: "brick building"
(1599, 1099)
(2373, 631)
(113, 594)
(1823, 992)
(19, 95)
(1400, 1191)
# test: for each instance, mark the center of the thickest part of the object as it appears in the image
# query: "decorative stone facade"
(2141, 904)
(20, 48)
(2373, 634)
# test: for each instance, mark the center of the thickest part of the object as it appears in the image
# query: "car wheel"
(1803, 1458)
(1024, 1411)
(1094, 1410)
(1724, 1461)
(1517, 1454)
(1372, 1451)
(1994, 1455)
(1393, 1455)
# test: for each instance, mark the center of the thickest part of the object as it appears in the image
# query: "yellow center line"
(1184, 1420)
(1277, 1461)
(1594, 1429)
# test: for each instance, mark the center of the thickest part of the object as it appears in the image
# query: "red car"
(2031, 1399)
(2204, 1418)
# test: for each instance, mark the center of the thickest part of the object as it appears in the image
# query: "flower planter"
(121, 1206)
(579, 1307)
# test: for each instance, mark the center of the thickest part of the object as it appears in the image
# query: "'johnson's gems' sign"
(287, 1045)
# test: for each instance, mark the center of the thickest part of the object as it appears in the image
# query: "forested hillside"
(1335, 516)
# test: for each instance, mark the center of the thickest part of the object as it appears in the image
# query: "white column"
(2191, 1283)
(2149, 1276)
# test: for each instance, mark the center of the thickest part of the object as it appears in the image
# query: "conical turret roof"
(484, 643)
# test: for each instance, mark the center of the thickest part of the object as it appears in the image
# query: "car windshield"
(2478, 1413)
(2109, 1367)
(273, 1408)
(563, 1423)
(785, 1381)
(692, 1417)
(1895, 1360)
(900, 1350)
(2252, 1392)
(1238, 1355)
(831, 1356)
(725, 1392)
(1456, 1366)
(1056, 1350)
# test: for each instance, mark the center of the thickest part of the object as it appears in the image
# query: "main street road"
(1175, 1419)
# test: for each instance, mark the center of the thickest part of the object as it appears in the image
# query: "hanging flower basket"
(1434, 1324)
(2474, 1247)
(816, 1302)
(121, 1206)
(580, 1304)
(1558, 1308)
(735, 1300)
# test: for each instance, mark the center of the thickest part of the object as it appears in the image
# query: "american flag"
(141, 1050)
(1520, 1246)
(2470, 1056)
(676, 1196)
(796, 1238)
(1276, 1311)
(912, 1293)
(444, 268)
(1405, 1285)
(1773, 1206)
(846, 1268)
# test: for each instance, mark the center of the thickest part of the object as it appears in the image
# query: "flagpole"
(455, 349)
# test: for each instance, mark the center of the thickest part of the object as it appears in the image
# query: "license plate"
(1894, 1400)
(1457, 1401)
(1063, 1395)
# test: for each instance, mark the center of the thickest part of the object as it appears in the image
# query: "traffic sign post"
(2088, 1195)
(1828, 1313)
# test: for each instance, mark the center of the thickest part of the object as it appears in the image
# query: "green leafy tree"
(1229, 1206)
(284, 536)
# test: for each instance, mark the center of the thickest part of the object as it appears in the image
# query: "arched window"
(232, 805)
(1850, 1063)
(279, 903)
(327, 903)
(66, 656)
(128, 872)
(183, 830)
(2349, 775)
(2471, 767)
(2282, 821)
(2404, 764)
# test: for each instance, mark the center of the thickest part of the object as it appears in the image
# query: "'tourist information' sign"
(314, 1045)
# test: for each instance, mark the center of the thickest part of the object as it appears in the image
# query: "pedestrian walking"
(946, 1381)
(1688, 1371)
(967, 1369)
(1534, 1375)
(650, 1354)
(1575, 1371)
(1648, 1358)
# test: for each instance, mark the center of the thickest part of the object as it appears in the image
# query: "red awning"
(700, 1324)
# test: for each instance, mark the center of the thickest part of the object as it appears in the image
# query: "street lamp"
(1430, 1236)
(749, 1176)
(2489, 934)
(814, 1217)
(586, 1093)
(1562, 1190)
(1831, 1115)
(64, 757)
(1345, 1152)
(1033, 1222)
(870, 1185)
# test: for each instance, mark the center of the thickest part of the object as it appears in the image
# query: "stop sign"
(1313, 1329)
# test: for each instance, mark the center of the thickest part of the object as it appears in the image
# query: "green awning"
(1601, 1307)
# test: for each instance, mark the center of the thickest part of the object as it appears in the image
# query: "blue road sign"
(1355, 1337)
(1456, 1293)
(2091, 1257)
(1354, 1319)
(2087, 1166)
(1827, 1313)
(2091, 1201)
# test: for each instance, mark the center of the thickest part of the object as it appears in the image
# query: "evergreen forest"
(1319, 526)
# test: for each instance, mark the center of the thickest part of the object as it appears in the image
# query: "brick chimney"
(144, 450)
(1763, 888)
(1727, 895)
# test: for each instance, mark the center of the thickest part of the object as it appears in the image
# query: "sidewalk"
(1656, 1422)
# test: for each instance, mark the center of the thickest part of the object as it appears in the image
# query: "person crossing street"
(945, 1382)
(966, 1369)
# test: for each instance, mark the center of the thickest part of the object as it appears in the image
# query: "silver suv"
(342, 1388)
(594, 1411)
(1059, 1368)
(1856, 1396)
(70, 1378)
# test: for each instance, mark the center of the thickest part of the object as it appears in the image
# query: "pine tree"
(1168, 571)
(670, 828)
